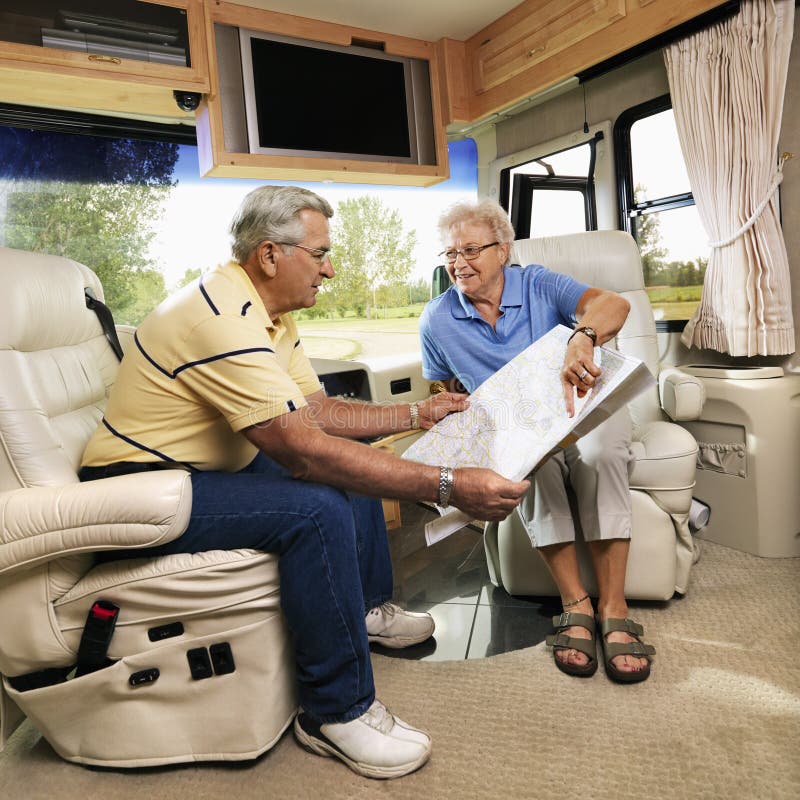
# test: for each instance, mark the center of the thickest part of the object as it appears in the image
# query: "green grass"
(674, 294)
(675, 310)
(674, 302)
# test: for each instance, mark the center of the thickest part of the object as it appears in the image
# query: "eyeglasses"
(469, 253)
(317, 253)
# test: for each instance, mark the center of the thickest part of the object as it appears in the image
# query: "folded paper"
(518, 417)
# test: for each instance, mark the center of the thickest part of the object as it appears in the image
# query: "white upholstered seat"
(662, 551)
(56, 368)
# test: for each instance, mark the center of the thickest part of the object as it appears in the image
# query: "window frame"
(627, 207)
(527, 184)
(605, 187)
(75, 122)
(524, 187)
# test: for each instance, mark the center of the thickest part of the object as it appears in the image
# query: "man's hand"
(438, 406)
(483, 494)
(579, 370)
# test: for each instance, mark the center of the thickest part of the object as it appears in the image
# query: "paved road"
(373, 343)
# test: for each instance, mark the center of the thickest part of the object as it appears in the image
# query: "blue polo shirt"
(458, 342)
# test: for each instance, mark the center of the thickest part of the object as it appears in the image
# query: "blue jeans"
(334, 566)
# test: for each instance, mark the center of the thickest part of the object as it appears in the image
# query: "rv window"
(125, 198)
(657, 208)
(554, 194)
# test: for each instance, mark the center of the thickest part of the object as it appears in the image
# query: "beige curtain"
(727, 85)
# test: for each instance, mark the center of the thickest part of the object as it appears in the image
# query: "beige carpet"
(719, 718)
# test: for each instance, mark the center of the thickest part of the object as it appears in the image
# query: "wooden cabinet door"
(549, 27)
(51, 76)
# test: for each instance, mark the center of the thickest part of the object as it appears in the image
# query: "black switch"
(222, 658)
(199, 663)
(165, 631)
(144, 676)
(400, 386)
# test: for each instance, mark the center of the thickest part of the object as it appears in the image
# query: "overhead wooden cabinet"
(125, 57)
(555, 26)
(541, 43)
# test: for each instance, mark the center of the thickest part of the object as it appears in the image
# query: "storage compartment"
(748, 460)
(108, 719)
(125, 57)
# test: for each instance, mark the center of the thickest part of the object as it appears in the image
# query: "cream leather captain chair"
(662, 551)
(200, 664)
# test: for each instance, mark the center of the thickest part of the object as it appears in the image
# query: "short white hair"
(477, 212)
(273, 213)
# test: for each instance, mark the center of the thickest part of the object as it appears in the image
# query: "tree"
(189, 276)
(391, 295)
(93, 200)
(371, 249)
(73, 158)
(106, 227)
(420, 291)
(648, 236)
(149, 291)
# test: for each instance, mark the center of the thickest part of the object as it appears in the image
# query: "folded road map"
(517, 417)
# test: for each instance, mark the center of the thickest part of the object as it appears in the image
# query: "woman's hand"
(579, 370)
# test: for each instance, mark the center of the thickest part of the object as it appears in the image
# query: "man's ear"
(267, 252)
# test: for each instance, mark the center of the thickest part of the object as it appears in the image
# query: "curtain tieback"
(761, 206)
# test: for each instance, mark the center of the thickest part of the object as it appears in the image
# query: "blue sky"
(463, 172)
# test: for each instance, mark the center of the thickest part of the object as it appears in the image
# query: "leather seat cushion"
(207, 592)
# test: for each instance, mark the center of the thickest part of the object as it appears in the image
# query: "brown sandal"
(560, 641)
(636, 648)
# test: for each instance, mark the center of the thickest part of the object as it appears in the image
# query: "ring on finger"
(583, 375)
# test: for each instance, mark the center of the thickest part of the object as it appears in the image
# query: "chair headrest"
(608, 259)
(42, 301)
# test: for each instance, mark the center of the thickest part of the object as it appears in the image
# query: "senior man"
(218, 381)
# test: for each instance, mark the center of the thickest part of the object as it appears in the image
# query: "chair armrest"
(129, 511)
(665, 457)
(682, 395)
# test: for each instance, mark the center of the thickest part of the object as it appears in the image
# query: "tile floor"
(450, 580)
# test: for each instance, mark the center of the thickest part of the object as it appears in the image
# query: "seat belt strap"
(106, 320)
(96, 637)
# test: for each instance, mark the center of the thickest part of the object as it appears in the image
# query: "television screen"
(326, 100)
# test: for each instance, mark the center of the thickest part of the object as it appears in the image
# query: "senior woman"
(491, 313)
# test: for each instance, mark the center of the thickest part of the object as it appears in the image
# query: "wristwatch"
(445, 485)
(585, 329)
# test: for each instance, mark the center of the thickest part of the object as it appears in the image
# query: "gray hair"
(477, 212)
(272, 212)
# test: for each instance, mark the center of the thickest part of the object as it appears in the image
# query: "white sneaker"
(394, 627)
(377, 744)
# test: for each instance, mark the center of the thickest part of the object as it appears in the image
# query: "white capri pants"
(597, 468)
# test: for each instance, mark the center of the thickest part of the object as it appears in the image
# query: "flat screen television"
(304, 98)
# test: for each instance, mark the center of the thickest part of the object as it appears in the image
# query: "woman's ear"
(505, 249)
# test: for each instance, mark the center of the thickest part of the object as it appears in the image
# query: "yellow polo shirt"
(206, 363)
